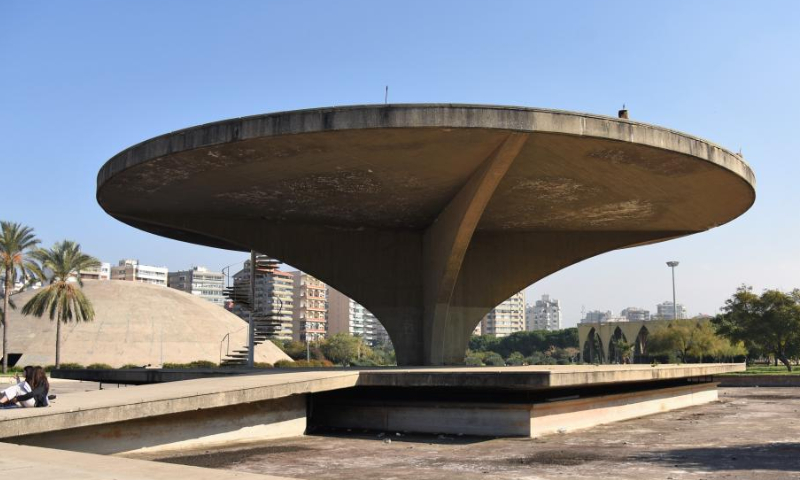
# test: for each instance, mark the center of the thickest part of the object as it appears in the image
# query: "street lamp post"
(672, 264)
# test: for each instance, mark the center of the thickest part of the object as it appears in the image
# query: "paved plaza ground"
(752, 433)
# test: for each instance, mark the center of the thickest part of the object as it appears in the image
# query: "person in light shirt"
(23, 387)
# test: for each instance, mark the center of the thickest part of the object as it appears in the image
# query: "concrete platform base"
(210, 428)
(500, 419)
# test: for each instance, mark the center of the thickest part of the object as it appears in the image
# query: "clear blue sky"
(82, 80)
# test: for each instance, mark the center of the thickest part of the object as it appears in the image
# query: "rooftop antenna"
(386, 96)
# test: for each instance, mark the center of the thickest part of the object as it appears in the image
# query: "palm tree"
(15, 241)
(63, 298)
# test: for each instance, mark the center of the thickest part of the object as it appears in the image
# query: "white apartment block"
(345, 315)
(666, 311)
(545, 314)
(101, 272)
(506, 318)
(199, 281)
(274, 297)
(133, 271)
(634, 314)
(596, 316)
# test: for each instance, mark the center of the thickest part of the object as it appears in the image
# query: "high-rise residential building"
(666, 311)
(310, 307)
(545, 314)
(100, 272)
(345, 315)
(133, 271)
(273, 297)
(506, 318)
(199, 281)
(634, 314)
(596, 316)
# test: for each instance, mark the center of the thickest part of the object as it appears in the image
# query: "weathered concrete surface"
(25, 461)
(532, 419)
(124, 404)
(758, 380)
(447, 210)
(538, 376)
(750, 434)
(203, 428)
(135, 323)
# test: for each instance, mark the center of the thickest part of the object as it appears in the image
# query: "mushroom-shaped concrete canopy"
(428, 215)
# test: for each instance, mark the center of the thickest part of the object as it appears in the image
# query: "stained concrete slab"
(750, 434)
(23, 461)
(132, 403)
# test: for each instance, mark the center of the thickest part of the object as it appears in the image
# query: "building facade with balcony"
(504, 319)
(310, 307)
(133, 271)
(199, 281)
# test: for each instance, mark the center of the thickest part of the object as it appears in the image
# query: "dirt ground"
(752, 433)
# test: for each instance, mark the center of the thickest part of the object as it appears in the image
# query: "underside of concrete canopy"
(428, 215)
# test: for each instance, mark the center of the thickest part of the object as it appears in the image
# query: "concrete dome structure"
(428, 215)
(135, 323)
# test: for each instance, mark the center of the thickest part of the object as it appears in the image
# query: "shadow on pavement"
(770, 456)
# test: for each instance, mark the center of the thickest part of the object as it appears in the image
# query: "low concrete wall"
(493, 419)
(568, 415)
(208, 428)
(758, 380)
(509, 419)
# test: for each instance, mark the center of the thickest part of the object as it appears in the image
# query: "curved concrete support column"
(446, 241)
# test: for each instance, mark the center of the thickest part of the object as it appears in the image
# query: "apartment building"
(199, 281)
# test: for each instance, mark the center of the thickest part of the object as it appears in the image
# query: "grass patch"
(768, 370)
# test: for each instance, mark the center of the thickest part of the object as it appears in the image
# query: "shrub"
(303, 363)
(175, 365)
(97, 366)
(130, 366)
(202, 364)
(69, 366)
(493, 359)
(262, 365)
(474, 361)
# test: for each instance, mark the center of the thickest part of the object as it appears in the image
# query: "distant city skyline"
(78, 87)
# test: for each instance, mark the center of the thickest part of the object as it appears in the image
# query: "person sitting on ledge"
(39, 390)
(8, 396)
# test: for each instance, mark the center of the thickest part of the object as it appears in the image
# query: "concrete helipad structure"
(428, 215)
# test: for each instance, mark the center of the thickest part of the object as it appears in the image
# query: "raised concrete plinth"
(148, 401)
(538, 377)
(446, 210)
(223, 411)
(510, 419)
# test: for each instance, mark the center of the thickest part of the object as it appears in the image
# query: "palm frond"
(62, 300)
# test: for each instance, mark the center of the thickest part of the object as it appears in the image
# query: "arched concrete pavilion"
(428, 215)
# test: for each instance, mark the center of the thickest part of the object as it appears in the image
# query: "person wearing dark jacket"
(40, 387)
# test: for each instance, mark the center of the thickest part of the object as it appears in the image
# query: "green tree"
(769, 322)
(62, 299)
(515, 359)
(341, 348)
(16, 241)
(493, 359)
